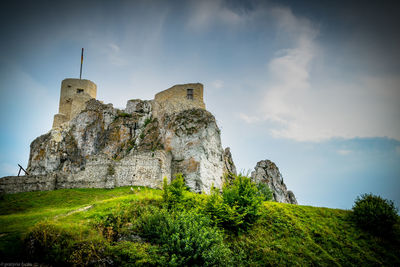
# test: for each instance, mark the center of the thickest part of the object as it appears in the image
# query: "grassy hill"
(119, 226)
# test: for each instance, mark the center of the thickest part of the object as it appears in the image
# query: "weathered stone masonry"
(73, 96)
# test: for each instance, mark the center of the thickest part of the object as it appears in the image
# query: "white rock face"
(106, 147)
(267, 172)
(230, 168)
(193, 138)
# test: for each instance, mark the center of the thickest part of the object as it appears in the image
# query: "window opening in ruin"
(79, 90)
(190, 94)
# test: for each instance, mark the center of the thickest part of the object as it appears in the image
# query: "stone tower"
(73, 96)
(178, 98)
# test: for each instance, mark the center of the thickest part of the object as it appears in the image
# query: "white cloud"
(305, 107)
(208, 12)
(249, 119)
(217, 84)
(115, 55)
(115, 48)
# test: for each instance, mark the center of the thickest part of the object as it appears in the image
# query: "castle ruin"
(76, 92)
(94, 145)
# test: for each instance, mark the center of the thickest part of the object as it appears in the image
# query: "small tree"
(265, 192)
(375, 214)
(173, 192)
(239, 205)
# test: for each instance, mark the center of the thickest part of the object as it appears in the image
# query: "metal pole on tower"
(80, 75)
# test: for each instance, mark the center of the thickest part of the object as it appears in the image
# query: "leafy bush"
(51, 243)
(222, 214)
(114, 223)
(265, 192)
(110, 225)
(186, 236)
(47, 242)
(91, 252)
(375, 214)
(239, 205)
(136, 254)
(173, 193)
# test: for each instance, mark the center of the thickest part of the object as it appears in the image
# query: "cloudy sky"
(312, 85)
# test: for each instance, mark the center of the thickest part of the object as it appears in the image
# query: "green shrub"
(239, 205)
(375, 214)
(127, 253)
(187, 237)
(49, 242)
(265, 192)
(91, 252)
(173, 193)
(244, 196)
(222, 214)
(111, 225)
(115, 223)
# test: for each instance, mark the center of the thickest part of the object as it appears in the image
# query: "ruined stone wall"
(138, 169)
(174, 99)
(74, 94)
(14, 184)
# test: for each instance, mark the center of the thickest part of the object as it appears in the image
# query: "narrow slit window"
(79, 90)
(190, 94)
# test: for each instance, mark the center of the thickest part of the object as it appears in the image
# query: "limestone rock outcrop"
(106, 147)
(193, 138)
(267, 172)
(230, 168)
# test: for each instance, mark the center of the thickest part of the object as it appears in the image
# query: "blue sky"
(312, 85)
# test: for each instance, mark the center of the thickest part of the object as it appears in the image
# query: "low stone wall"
(137, 169)
(15, 184)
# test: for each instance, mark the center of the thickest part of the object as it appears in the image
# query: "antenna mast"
(80, 74)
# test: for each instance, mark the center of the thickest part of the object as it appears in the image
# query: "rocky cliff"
(267, 172)
(106, 147)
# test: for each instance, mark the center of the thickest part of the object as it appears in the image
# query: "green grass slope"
(283, 235)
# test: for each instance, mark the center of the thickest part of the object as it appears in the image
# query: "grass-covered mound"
(175, 227)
